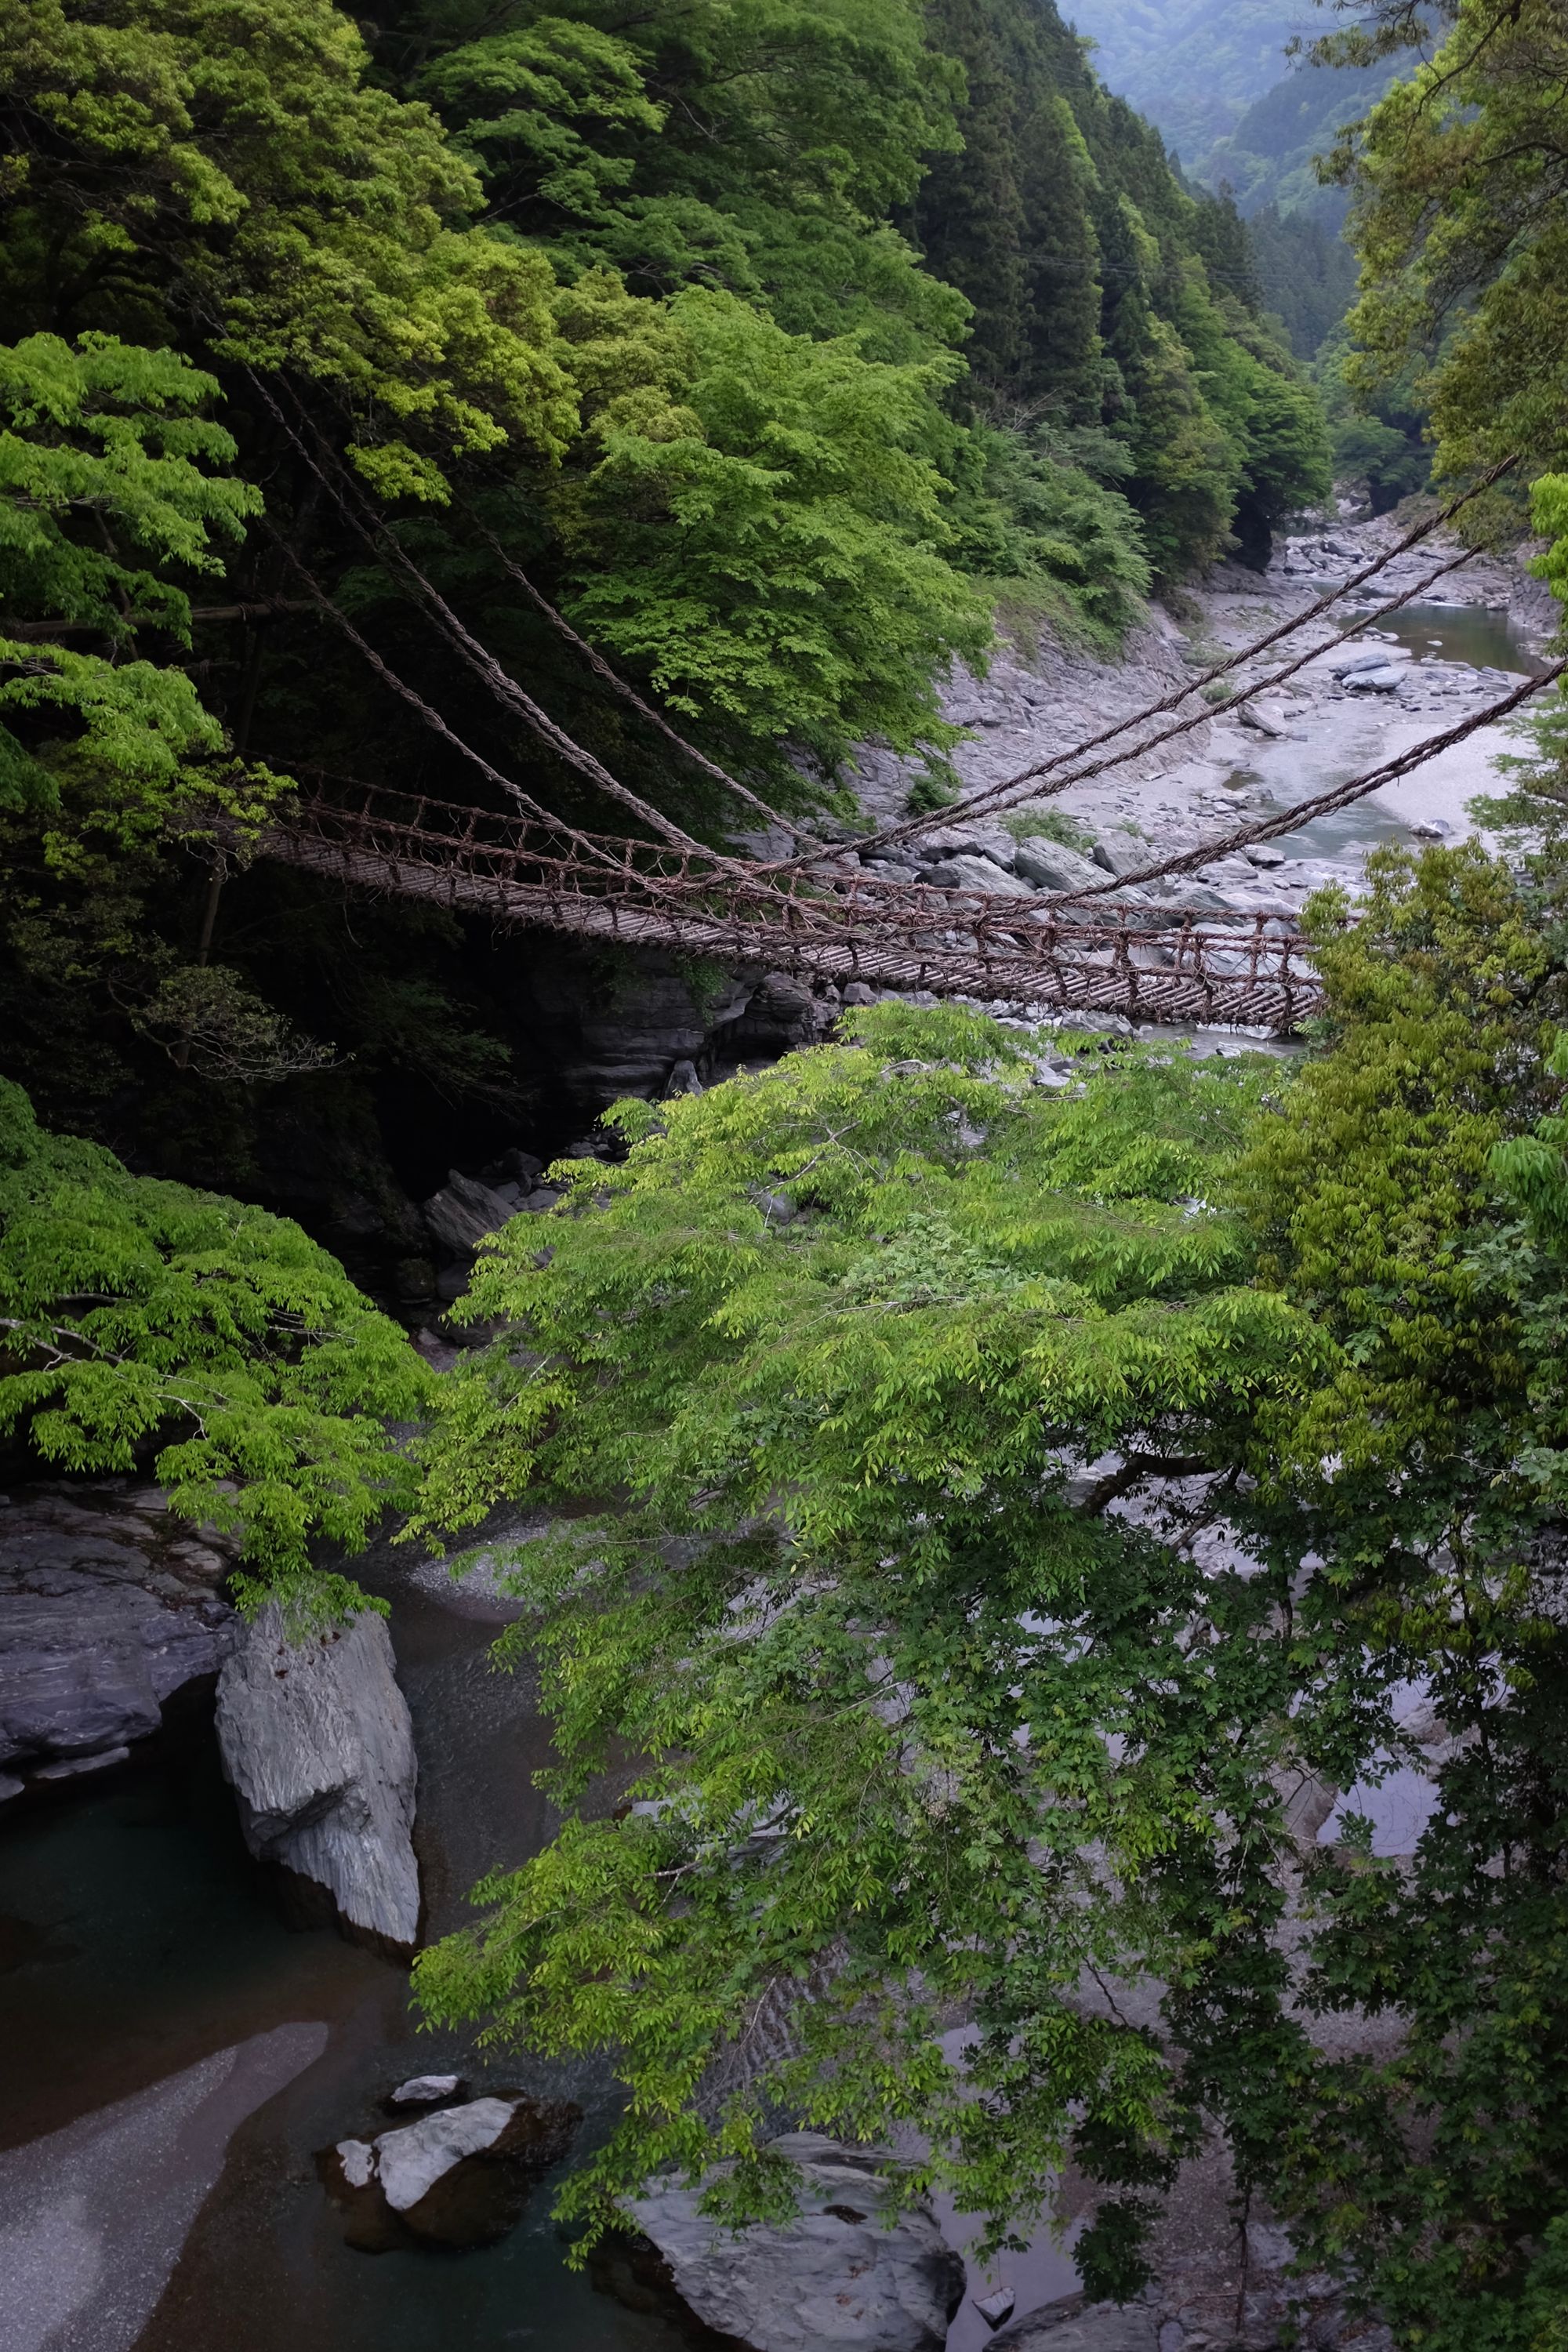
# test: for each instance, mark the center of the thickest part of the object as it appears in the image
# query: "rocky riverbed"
(1476, 632)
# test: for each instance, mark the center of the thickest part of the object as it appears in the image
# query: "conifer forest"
(784, 1176)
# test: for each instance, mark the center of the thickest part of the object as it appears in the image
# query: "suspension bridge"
(818, 913)
(823, 922)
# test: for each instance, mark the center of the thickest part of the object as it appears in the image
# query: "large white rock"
(317, 1742)
(458, 2178)
(408, 2163)
(835, 2275)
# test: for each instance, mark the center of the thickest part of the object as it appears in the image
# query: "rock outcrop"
(458, 2178)
(110, 1610)
(465, 1211)
(1071, 2327)
(835, 2274)
(316, 1739)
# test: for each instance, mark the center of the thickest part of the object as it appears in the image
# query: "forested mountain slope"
(1193, 66)
(774, 345)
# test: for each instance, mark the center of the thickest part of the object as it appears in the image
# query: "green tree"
(757, 150)
(1459, 215)
(107, 485)
(225, 177)
(844, 1331)
(1413, 1196)
(773, 544)
(146, 1324)
(918, 1388)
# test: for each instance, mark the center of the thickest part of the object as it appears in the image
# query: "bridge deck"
(837, 923)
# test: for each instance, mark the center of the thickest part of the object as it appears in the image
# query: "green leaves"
(107, 483)
(233, 161)
(771, 546)
(913, 1732)
(112, 431)
(980, 1514)
(145, 1323)
(1459, 219)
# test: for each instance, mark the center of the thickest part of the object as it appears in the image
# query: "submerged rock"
(459, 2177)
(316, 1739)
(834, 2274)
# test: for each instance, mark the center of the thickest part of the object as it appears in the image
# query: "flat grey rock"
(972, 839)
(1122, 853)
(318, 1744)
(1069, 2327)
(836, 2274)
(92, 2218)
(1052, 866)
(110, 1607)
(966, 873)
(424, 2090)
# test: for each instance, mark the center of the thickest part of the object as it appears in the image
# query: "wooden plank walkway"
(836, 923)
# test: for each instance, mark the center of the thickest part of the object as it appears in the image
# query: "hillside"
(1193, 66)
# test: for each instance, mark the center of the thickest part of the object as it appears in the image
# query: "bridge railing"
(1151, 960)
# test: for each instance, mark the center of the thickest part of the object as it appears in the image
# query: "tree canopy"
(146, 1324)
(1011, 1497)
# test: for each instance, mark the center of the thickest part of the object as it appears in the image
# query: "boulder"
(464, 1212)
(995, 2307)
(1071, 2326)
(1263, 720)
(1361, 665)
(972, 840)
(967, 872)
(459, 2177)
(1051, 866)
(1122, 853)
(834, 2274)
(110, 1609)
(316, 1739)
(426, 2091)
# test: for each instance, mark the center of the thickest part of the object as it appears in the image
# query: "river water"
(135, 1939)
(1343, 738)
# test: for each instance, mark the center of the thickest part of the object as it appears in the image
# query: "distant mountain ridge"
(1193, 66)
(1215, 79)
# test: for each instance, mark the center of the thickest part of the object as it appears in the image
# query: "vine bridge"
(1105, 947)
(827, 921)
